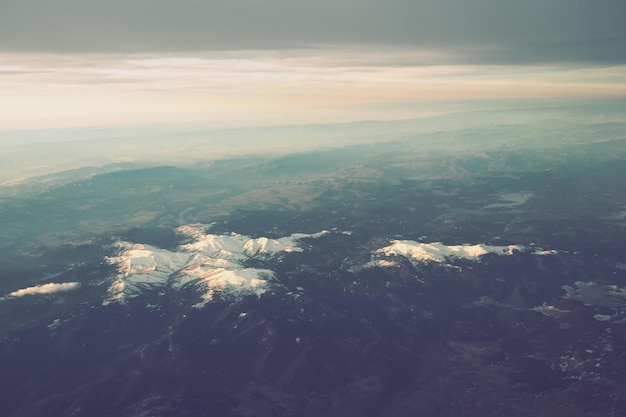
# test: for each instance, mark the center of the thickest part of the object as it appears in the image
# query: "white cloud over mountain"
(45, 289)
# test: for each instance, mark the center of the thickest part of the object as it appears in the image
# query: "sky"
(77, 63)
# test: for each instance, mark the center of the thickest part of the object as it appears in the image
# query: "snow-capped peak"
(212, 262)
(438, 252)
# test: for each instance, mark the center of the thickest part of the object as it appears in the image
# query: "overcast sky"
(479, 30)
(66, 63)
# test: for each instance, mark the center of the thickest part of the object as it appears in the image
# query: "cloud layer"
(279, 87)
(478, 30)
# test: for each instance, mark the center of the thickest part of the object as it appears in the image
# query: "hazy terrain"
(465, 264)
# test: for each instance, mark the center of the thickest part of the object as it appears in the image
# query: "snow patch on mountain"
(509, 200)
(142, 267)
(236, 247)
(592, 293)
(417, 252)
(211, 263)
(549, 310)
(243, 282)
(437, 252)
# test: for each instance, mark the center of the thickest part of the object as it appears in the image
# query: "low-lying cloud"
(45, 289)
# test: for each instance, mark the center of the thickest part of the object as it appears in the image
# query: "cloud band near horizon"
(268, 87)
